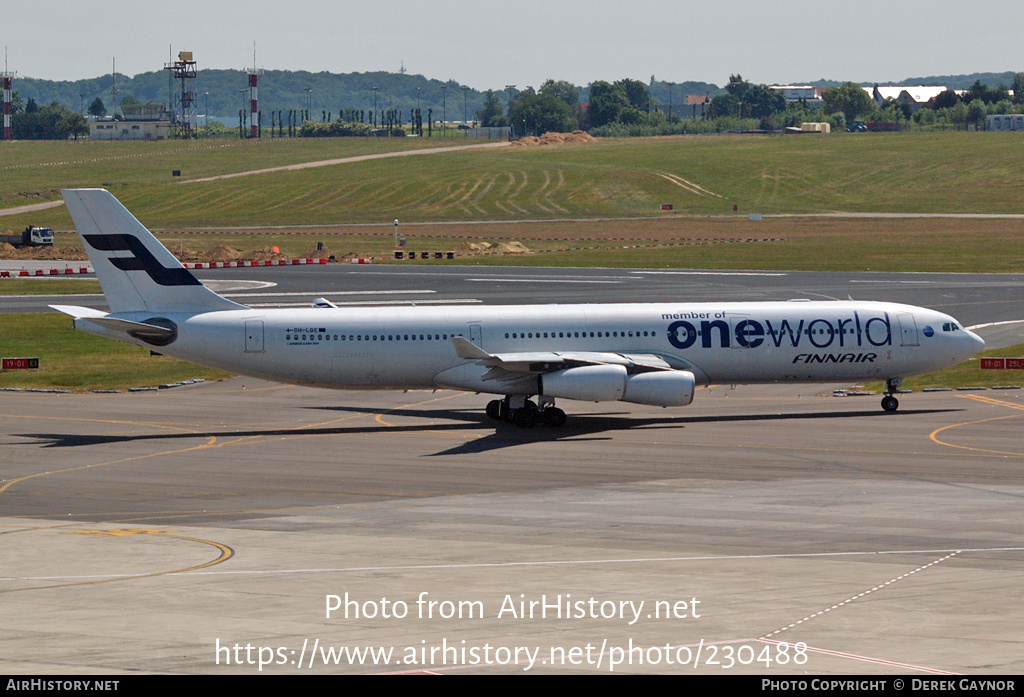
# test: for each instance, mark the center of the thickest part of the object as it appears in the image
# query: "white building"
(1005, 122)
(916, 96)
(150, 121)
(807, 94)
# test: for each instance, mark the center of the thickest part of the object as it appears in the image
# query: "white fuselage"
(731, 343)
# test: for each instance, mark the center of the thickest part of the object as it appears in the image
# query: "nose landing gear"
(890, 403)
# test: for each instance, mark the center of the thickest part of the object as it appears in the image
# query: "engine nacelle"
(590, 383)
(608, 383)
(670, 388)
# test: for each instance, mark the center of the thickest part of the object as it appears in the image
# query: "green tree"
(492, 113)
(566, 91)
(724, 105)
(976, 112)
(97, 108)
(849, 98)
(752, 101)
(636, 94)
(944, 100)
(52, 122)
(539, 113)
(958, 113)
(606, 104)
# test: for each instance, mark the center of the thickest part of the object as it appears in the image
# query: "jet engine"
(606, 383)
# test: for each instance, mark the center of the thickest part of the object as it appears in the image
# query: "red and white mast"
(8, 78)
(254, 112)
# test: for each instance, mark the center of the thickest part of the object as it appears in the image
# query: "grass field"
(72, 360)
(895, 172)
(47, 286)
(702, 176)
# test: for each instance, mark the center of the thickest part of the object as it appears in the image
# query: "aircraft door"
(908, 330)
(476, 334)
(254, 336)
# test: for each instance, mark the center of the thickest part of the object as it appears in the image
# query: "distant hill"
(278, 90)
(226, 91)
(285, 89)
(953, 82)
(964, 82)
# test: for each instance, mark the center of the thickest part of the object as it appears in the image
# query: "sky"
(487, 44)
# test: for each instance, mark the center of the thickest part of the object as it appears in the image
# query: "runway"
(971, 297)
(167, 532)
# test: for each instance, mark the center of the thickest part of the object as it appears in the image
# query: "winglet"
(468, 350)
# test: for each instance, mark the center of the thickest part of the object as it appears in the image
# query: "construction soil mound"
(8, 251)
(552, 138)
(513, 247)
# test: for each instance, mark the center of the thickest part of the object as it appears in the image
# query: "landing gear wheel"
(494, 409)
(553, 417)
(524, 418)
(890, 403)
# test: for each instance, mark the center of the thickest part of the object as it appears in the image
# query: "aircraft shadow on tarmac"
(581, 426)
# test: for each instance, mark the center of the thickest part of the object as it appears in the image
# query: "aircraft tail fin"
(136, 272)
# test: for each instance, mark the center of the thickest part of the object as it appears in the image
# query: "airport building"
(149, 121)
(806, 94)
(1005, 122)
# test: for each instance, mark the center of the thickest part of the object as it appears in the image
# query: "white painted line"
(353, 303)
(532, 280)
(564, 562)
(320, 294)
(709, 273)
(861, 595)
(865, 659)
(987, 324)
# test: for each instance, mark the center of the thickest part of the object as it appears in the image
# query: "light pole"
(374, 107)
(207, 107)
(241, 114)
(444, 113)
(465, 116)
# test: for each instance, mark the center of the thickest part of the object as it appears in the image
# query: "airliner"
(526, 355)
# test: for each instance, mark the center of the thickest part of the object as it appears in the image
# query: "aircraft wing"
(511, 366)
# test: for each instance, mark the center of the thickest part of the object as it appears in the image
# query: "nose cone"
(974, 343)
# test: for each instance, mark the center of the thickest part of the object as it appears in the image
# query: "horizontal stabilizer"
(103, 324)
(78, 312)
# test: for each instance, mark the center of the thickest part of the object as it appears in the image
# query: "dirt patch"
(511, 247)
(181, 251)
(222, 252)
(552, 138)
(318, 253)
(8, 251)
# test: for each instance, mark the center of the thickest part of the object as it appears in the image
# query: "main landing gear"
(526, 413)
(890, 403)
